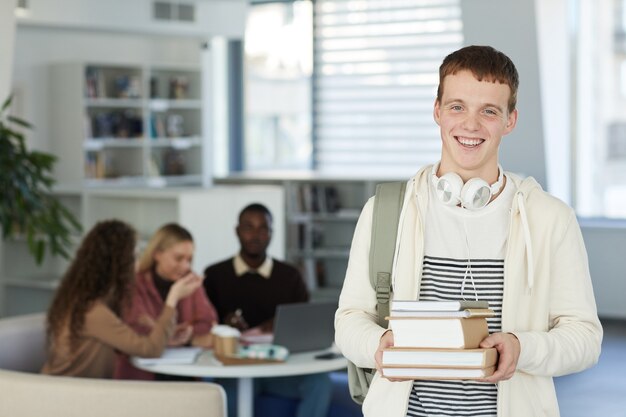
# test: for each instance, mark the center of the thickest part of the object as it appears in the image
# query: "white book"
(438, 373)
(469, 312)
(453, 358)
(457, 333)
(173, 356)
(416, 305)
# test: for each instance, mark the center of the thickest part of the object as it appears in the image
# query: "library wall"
(36, 48)
(501, 25)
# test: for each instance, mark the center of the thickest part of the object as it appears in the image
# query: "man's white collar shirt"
(241, 267)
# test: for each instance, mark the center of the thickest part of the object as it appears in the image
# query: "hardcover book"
(469, 312)
(458, 333)
(456, 305)
(437, 373)
(454, 358)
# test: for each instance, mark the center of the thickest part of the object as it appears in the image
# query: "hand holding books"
(509, 349)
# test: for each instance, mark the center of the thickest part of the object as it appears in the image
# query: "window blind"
(376, 76)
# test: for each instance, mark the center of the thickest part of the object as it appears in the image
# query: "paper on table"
(257, 338)
(173, 356)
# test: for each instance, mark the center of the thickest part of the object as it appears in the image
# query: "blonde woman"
(165, 261)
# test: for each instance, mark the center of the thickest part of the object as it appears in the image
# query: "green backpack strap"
(387, 207)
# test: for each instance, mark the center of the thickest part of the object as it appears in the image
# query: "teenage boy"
(468, 230)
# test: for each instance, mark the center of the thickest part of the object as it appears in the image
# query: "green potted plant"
(27, 206)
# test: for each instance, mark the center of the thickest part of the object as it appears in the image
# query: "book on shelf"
(127, 86)
(318, 198)
(173, 356)
(173, 162)
(95, 86)
(437, 357)
(157, 126)
(178, 87)
(115, 124)
(437, 373)
(454, 305)
(98, 165)
(435, 332)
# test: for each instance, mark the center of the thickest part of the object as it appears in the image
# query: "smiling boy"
(469, 230)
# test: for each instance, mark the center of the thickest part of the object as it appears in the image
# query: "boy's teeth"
(469, 142)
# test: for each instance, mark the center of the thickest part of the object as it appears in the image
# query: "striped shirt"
(442, 280)
(463, 259)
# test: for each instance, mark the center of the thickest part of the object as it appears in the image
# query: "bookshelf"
(321, 214)
(128, 125)
(210, 214)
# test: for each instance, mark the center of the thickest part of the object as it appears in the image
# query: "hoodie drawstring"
(528, 244)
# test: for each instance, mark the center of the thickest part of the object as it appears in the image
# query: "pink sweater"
(195, 309)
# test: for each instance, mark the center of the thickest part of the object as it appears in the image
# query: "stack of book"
(439, 340)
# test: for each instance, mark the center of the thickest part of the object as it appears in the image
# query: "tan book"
(453, 358)
(457, 333)
(437, 373)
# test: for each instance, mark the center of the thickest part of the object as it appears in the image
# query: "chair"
(23, 346)
(27, 395)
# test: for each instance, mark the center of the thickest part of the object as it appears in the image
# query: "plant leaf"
(19, 121)
(27, 206)
(6, 103)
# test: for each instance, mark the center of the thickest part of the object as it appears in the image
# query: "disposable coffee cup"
(226, 340)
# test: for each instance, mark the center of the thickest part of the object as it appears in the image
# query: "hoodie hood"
(525, 187)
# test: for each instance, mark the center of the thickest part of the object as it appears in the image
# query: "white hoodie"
(548, 300)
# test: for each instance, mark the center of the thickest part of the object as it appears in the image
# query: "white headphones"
(473, 195)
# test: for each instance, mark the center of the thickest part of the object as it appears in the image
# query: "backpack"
(387, 207)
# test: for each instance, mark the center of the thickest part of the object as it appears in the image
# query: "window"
(600, 108)
(376, 66)
(354, 96)
(277, 102)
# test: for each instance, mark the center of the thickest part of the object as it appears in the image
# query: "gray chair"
(23, 346)
(25, 393)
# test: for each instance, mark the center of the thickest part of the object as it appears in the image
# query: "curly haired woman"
(83, 325)
(166, 260)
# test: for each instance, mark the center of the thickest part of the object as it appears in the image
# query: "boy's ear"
(436, 111)
(511, 121)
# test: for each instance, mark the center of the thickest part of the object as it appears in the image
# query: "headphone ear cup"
(475, 194)
(448, 188)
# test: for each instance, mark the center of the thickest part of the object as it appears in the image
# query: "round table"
(206, 365)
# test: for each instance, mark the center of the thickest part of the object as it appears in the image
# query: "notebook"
(173, 356)
(303, 327)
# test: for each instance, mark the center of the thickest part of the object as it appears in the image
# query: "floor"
(601, 390)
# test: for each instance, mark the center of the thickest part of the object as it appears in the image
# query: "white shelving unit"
(128, 125)
(321, 214)
(209, 213)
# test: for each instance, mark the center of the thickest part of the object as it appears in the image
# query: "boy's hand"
(386, 340)
(508, 350)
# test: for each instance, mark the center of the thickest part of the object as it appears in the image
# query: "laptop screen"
(304, 327)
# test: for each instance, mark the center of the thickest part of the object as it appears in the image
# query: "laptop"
(303, 327)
